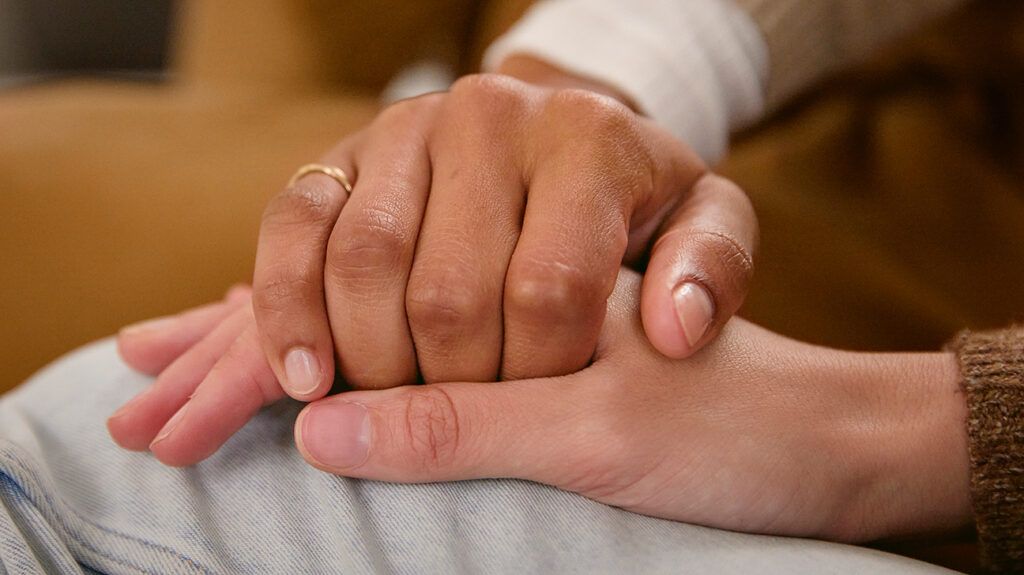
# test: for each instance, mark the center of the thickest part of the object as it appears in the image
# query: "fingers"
(574, 237)
(700, 268)
(468, 234)
(151, 346)
(549, 430)
(288, 297)
(136, 424)
(371, 248)
(229, 396)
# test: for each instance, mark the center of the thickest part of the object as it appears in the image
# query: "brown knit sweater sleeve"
(992, 370)
(808, 39)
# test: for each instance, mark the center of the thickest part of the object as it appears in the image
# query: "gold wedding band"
(333, 172)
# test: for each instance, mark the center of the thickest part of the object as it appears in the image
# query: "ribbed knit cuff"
(992, 368)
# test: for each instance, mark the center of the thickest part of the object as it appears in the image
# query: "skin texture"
(755, 433)
(484, 235)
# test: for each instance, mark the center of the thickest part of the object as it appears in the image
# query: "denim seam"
(50, 504)
(91, 548)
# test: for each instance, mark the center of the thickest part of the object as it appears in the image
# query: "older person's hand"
(483, 237)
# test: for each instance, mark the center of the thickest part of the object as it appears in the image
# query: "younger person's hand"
(212, 377)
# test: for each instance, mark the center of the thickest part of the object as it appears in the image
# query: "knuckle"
(596, 113)
(278, 293)
(307, 202)
(487, 96)
(436, 301)
(730, 265)
(607, 137)
(409, 111)
(551, 290)
(485, 85)
(431, 427)
(375, 243)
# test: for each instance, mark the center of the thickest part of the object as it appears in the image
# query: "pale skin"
(504, 272)
(755, 433)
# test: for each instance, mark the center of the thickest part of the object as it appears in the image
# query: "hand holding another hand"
(483, 237)
(482, 240)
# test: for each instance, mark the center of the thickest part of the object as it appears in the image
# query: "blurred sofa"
(890, 199)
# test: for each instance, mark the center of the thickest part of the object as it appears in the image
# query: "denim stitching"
(20, 490)
(53, 507)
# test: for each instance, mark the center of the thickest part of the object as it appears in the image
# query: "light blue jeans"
(72, 502)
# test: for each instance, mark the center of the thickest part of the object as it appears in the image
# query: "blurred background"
(139, 142)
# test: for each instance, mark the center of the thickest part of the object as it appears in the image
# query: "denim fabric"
(72, 502)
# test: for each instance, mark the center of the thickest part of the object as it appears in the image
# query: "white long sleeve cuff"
(697, 67)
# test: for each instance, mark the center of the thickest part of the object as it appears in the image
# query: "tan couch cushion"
(298, 44)
(121, 203)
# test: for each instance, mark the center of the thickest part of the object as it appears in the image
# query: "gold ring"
(333, 172)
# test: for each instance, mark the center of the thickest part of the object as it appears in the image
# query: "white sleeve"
(697, 67)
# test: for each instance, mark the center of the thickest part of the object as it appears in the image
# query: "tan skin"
(755, 432)
(483, 237)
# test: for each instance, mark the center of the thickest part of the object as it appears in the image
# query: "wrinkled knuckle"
(437, 302)
(375, 243)
(734, 262)
(307, 202)
(277, 294)
(550, 291)
(432, 427)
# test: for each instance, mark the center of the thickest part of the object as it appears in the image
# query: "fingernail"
(148, 326)
(170, 425)
(302, 371)
(336, 434)
(694, 309)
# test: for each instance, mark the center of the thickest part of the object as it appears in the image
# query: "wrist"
(540, 73)
(907, 446)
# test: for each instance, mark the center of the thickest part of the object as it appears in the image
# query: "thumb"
(446, 432)
(700, 268)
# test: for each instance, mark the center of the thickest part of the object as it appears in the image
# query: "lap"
(69, 496)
